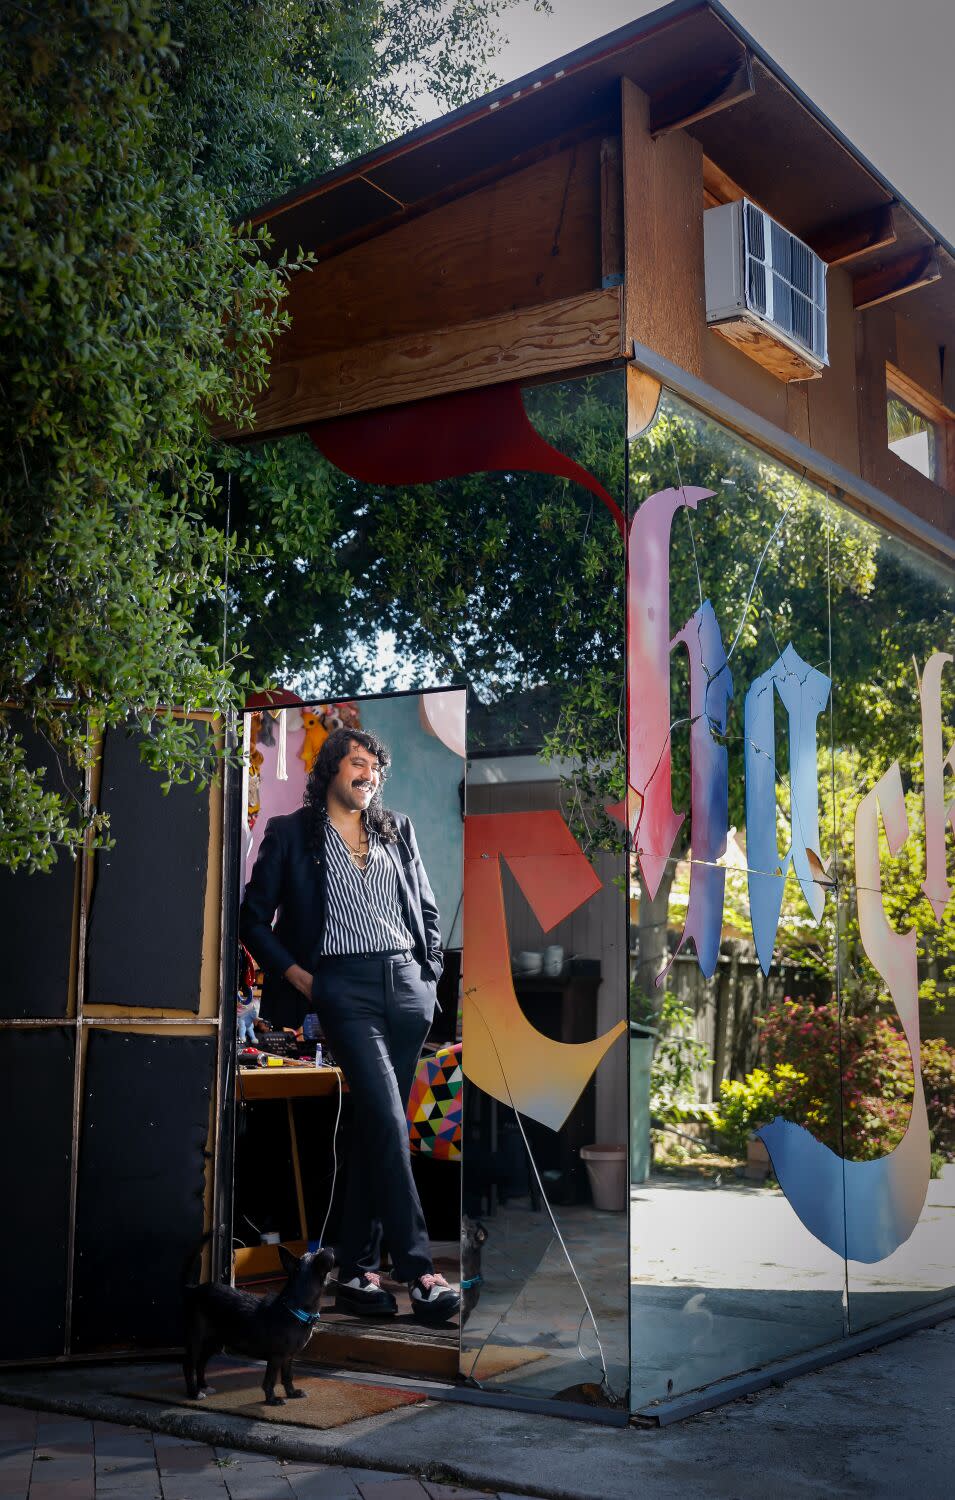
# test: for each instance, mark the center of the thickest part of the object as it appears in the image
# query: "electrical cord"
(588, 1310)
(331, 1195)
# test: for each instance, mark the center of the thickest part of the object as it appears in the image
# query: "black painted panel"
(36, 1121)
(145, 934)
(141, 1182)
(38, 911)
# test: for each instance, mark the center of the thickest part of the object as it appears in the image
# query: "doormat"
(496, 1359)
(328, 1402)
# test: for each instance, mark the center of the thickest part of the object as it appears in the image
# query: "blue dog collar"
(303, 1317)
(471, 1281)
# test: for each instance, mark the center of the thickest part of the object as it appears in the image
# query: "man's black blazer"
(288, 878)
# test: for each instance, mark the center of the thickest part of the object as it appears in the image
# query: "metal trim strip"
(830, 475)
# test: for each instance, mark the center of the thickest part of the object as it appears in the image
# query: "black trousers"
(376, 1013)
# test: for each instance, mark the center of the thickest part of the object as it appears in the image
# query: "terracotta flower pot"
(758, 1164)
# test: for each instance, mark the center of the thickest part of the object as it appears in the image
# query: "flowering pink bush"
(804, 1046)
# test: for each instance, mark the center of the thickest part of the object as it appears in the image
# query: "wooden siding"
(886, 337)
(516, 279)
(528, 238)
(664, 304)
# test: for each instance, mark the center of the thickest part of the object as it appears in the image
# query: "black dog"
(274, 1328)
(473, 1236)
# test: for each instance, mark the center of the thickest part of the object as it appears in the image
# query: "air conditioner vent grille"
(792, 311)
(784, 282)
(755, 237)
(781, 246)
(756, 291)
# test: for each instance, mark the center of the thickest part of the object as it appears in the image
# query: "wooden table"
(289, 1081)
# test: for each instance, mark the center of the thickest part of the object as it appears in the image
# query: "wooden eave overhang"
(706, 81)
(770, 137)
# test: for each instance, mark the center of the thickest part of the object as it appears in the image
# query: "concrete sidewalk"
(49, 1457)
(877, 1425)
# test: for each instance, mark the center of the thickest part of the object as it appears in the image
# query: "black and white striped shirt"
(362, 908)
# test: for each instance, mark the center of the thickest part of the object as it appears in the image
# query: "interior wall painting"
(427, 732)
(505, 1055)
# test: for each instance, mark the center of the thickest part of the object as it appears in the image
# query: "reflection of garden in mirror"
(816, 1039)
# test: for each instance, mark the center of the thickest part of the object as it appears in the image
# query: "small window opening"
(913, 437)
(920, 430)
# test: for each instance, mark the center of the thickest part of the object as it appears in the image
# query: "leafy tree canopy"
(132, 311)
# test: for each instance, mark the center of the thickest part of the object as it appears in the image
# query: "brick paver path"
(48, 1457)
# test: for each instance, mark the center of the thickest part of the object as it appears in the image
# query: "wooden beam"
(906, 274)
(849, 238)
(611, 212)
(900, 384)
(572, 333)
(696, 98)
(719, 187)
(664, 295)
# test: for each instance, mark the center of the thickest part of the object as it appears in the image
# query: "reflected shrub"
(801, 1049)
(938, 1077)
(745, 1104)
(679, 1057)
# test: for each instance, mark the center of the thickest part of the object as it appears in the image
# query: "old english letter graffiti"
(883, 1198)
(863, 1210)
(804, 692)
(935, 764)
(653, 821)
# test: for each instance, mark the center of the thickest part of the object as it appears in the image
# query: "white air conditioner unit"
(765, 290)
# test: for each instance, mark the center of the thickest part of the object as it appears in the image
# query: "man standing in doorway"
(357, 938)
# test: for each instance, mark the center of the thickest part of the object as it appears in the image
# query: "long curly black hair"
(377, 818)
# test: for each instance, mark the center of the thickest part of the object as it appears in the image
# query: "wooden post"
(664, 296)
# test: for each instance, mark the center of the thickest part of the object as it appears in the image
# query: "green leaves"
(130, 310)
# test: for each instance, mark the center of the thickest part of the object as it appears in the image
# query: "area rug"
(328, 1403)
(496, 1359)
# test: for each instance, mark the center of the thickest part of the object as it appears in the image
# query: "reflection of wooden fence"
(726, 1007)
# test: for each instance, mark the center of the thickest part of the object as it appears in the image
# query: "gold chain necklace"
(359, 856)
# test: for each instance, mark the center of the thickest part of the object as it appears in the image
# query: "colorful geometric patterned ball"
(434, 1110)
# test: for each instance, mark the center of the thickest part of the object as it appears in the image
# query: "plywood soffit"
(906, 274)
(701, 96)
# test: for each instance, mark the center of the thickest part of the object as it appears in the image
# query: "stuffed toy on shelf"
(315, 736)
